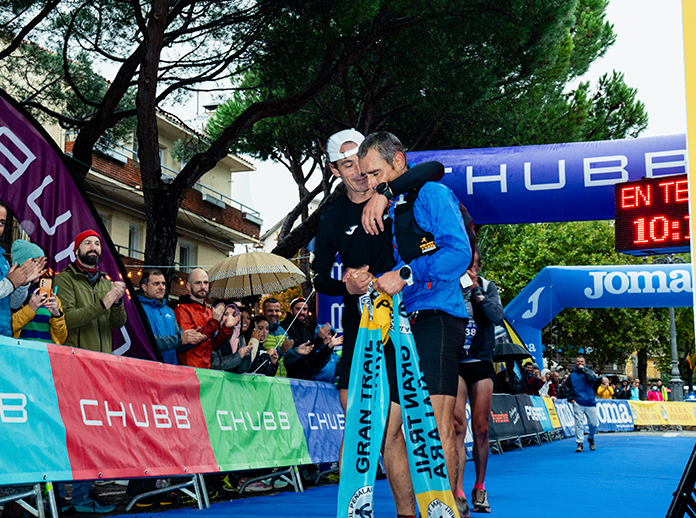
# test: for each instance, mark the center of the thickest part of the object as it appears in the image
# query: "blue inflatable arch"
(558, 287)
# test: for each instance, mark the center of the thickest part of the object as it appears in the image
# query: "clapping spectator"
(605, 391)
(655, 394)
(634, 391)
(553, 386)
(263, 362)
(230, 353)
(530, 383)
(622, 390)
(545, 379)
(41, 318)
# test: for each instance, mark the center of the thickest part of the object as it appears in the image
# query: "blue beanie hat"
(23, 250)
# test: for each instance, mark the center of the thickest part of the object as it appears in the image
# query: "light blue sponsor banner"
(33, 435)
(565, 416)
(614, 416)
(541, 413)
(624, 286)
(553, 182)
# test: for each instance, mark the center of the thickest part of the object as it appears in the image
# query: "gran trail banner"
(73, 414)
(39, 189)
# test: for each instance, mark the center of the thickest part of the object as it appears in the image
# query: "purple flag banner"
(52, 208)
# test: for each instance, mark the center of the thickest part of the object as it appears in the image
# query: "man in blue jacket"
(432, 252)
(579, 391)
(169, 336)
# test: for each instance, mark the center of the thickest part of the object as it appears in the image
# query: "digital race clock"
(652, 216)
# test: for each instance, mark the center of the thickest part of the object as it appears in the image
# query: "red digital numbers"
(652, 216)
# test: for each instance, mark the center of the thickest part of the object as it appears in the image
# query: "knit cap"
(23, 250)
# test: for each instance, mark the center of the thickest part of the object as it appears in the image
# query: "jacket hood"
(151, 302)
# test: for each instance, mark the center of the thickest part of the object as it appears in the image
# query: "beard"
(89, 259)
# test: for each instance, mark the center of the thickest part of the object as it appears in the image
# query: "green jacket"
(89, 323)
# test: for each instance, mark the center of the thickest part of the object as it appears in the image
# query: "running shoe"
(578, 449)
(593, 446)
(167, 498)
(227, 484)
(462, 506)
(93, 504)
(257, 487)
(479, 501)
(148, 501)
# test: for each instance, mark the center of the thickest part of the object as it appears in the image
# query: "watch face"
(405, 272)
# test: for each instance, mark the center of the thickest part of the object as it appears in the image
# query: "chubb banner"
(553, 182)
(71, 414)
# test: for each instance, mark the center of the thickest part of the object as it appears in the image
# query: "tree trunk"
(643, 369)
(161, 209)
(161, 206)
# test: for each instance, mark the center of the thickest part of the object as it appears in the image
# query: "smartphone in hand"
(45, 286)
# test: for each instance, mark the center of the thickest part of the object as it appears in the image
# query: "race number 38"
(13, 408)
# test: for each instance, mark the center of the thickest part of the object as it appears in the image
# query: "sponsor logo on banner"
(324, 421)
(534, 413)
(13, 408)
(618, 283)
(438, 509)
(360, 505)
(514, 416)
(614, 413)
(502, 417)
(262, 420)
(162, 416)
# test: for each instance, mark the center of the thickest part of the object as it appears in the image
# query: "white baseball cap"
(333, 146)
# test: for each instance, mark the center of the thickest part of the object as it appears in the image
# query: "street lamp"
(676, 385)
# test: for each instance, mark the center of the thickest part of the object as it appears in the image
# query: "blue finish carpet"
(628, 475)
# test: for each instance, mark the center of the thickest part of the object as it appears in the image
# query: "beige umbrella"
(253, 273)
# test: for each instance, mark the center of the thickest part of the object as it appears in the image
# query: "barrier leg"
(19, 497)
(204, 491)
(51, 495)
(182, 487)
(197, 488)
(297, 484)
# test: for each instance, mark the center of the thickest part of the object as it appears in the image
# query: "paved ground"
(630, 474)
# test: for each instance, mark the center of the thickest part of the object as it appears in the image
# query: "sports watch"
(384, 190)
(406, 274)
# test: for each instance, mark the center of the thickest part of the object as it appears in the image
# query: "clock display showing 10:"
(652, 216)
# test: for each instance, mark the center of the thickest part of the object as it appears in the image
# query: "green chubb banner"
(252, 421)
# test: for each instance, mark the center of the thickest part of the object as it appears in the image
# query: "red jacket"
(193, 315)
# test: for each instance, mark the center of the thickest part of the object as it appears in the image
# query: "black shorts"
(471, 372)
(439, 337)
(349, 336)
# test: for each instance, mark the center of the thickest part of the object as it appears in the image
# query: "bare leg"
(395, 459)
(343, 396)
(480, 396)
(443, 408)
(460, 430)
